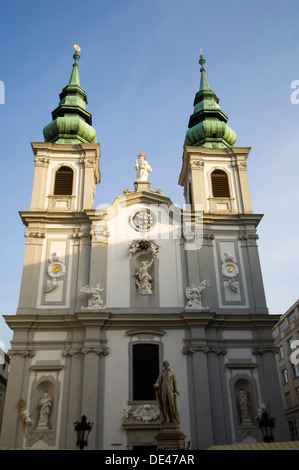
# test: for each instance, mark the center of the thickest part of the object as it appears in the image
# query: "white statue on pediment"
(143, 169)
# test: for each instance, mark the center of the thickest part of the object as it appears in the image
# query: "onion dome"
(71, 121)
(207, 124)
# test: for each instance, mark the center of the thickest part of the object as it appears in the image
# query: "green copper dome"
(71, 121)
(207, 124)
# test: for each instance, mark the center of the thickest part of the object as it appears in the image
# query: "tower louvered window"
(63, 181)
(220, 184)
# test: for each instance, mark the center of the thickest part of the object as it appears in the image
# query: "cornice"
(134, 320)
(205, 153)
(46, 217)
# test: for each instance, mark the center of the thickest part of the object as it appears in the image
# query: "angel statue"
(95, 301)
(194, 295)
(143, 278)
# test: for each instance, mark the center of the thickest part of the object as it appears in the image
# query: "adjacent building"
(4, 368)
(286, 334)
(108, 295)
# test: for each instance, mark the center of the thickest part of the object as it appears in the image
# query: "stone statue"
(244, 408)
(45, 405)
(194, 295)
(95, 300)
(166, 394)
(144, 279)
(260, 412)
(143, 169)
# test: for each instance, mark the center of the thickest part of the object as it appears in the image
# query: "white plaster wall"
(170, 270)
(117, 378)
(227, 244)
(61, 247)
(116, 394)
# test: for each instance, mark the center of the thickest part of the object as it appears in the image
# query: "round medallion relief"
(143, 220)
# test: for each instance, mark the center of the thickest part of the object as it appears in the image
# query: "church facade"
(108, 295)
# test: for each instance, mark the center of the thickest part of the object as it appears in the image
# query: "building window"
(282, 326)
(145, 370)
(292, 317)
(281, 352)
(295, 370)
(288, 399)
(63, 181)
(297, 392)
(284, 376)
(293, 429)
(220, 186)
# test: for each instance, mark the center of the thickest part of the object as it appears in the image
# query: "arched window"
(63, 181)
(145, 370)
(220, 186)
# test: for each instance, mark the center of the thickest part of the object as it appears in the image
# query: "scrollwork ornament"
(55, 271)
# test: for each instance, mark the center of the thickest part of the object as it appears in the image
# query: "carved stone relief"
(143, 220)
(95, 301)
(230, 270)
(55, 271)
(194, 297)
(144, 413)
(148, 246)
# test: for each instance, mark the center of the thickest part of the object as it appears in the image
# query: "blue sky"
(139, 67)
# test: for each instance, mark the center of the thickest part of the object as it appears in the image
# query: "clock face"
(143, 220)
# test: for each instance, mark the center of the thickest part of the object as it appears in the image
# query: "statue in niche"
(143, 169)
(45, 405)
(143, 278)
(166, 394)
(95, 301)
(194, 296)
(244, 408)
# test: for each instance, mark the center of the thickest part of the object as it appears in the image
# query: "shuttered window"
(63, 181)
(220, 185)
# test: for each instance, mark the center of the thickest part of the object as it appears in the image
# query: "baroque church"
(108, 295)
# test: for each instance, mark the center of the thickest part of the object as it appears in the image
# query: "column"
(199, 392)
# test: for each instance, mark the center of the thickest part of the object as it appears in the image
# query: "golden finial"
(77, 48)
(142, 155)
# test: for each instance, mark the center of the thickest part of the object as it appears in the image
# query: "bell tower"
(214, 172)
(214, 177)
(67, 163)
